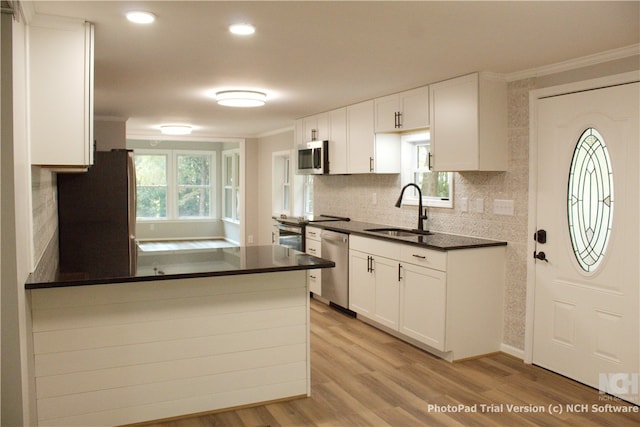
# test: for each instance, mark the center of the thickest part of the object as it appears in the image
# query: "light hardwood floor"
(364, 377)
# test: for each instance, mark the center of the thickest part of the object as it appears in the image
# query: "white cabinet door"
(414, 109)
(454, 131)
(469, 124)
(387, 292)
(361, 284)
(316, 128)
(386, 110)
(299, 136)
(60, 69)
(338, 141)
(360, 136)
(423, 305)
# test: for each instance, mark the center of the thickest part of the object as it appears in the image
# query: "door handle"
(541, 256)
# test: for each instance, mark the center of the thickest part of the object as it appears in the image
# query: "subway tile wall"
(353, 196)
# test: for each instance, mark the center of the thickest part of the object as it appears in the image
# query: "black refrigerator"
(97, 218)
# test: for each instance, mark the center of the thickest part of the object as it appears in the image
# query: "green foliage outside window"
(151, 185)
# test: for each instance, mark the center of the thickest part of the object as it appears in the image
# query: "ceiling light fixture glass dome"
(242, 29)
(175, 129)
(241, 98)
(141, 17)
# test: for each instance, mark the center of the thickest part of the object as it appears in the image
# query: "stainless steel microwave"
(313, 158)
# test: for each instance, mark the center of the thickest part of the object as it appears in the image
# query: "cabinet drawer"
(424, 257)
(375, 247)
(314, 247)
(312, 233)
(315, 281)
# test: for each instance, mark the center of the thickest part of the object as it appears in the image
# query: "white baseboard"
(513, 351)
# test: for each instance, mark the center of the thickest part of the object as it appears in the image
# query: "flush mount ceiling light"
(242, 29)
(175, 129)
(241, 98)
(141, 17)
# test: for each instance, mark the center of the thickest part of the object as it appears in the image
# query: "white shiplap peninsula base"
(124, 353)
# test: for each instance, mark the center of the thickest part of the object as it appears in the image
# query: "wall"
(251, 192)
(110, 133)
(266, 147)
(351, 195)
(18, 388)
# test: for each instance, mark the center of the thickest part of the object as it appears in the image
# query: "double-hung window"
(174, 185)
(231, 187)
(436, 187)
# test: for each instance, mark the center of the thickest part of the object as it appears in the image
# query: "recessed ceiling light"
(141, 17)
(241, 98)
(175, 129)
(242, 29)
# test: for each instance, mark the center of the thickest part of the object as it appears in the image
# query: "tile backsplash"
(45, 218)
(371, 198)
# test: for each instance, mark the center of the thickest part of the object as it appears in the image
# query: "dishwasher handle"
(335, 237)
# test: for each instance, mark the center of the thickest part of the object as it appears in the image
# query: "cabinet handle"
(398, 119)
(312, 250)
(419, 256)
(399, 272)
(273, 237)
(314, 134)
(312, 277)
(429, 160)
(368, 264)
(311, 233)
(370, 164)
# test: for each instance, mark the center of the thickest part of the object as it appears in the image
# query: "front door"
(586, 323)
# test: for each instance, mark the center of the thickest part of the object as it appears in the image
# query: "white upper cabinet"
(60, 70)
(338, 141)
(403, 111)
(368, 152)
(469, 124)
(316, 128)
(360, 136)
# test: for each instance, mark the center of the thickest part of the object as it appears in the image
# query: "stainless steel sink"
(398, 232)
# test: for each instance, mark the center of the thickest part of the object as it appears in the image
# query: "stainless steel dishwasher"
(335, 281)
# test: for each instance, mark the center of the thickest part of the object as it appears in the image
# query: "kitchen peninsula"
(190, 332)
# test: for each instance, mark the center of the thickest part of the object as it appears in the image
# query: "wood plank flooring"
(364, 377)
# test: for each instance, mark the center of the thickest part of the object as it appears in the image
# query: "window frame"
(234, 187)
(409, 143)
(173, 186)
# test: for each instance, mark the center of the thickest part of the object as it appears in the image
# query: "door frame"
(534, 97)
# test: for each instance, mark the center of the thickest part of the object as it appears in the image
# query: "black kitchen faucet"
(421, 216)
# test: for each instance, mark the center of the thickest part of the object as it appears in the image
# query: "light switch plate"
(464, 204)
(478, 205)
(503, 207)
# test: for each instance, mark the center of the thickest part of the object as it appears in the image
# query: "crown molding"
(573, 64)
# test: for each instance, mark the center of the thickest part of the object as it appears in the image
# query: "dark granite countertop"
(185, 264)
(437, 241)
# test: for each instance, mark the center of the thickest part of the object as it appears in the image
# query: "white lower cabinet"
(387, 292)
(313, 246)
(423, 294)
(449, 303)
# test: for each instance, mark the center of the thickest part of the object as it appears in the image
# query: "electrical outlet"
(250, 238)
(503, 207)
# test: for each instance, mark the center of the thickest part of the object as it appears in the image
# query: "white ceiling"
(315, 56)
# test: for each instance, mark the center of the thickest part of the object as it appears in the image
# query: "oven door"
(291, 236)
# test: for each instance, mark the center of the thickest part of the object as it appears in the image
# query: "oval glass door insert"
(590, 200)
